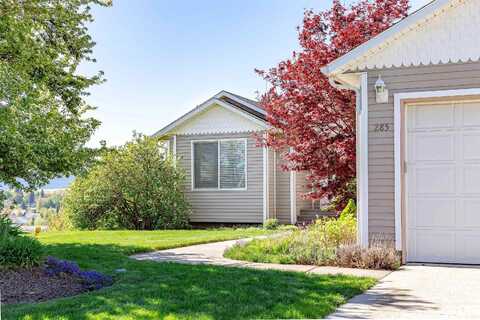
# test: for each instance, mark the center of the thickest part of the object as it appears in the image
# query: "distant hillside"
(59, 183)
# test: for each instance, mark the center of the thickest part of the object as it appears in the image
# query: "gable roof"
(402, 43)
(244, 107)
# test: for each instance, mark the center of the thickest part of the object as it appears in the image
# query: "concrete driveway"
(419, 292)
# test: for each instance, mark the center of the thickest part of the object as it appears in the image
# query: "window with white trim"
(219, 164)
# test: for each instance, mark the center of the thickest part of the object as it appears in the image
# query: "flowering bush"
(92, 280)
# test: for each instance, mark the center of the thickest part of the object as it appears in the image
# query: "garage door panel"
(443, 183)
(471, 146)
(468, 247)
(428, 117)
(434, 147)
(434, 180)
(434, 212)
(468, 214)
(470, 114)
(471, 179)
(435, 246)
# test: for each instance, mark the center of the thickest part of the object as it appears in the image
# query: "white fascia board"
(337, 66)
(210, 102)
(231, 96)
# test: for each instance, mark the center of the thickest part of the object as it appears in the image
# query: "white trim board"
(265, 184)
(293, 197)
(362, 176)
(399, 100)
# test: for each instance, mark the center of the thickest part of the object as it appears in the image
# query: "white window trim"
(399, 100)
(192, 165)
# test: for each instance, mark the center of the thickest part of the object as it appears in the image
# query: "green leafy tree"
(135, 186)
(43, 122)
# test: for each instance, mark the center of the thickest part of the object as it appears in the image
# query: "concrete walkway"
(419, 292)
(212, 253)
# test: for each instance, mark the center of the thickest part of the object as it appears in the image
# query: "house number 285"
(382, 127)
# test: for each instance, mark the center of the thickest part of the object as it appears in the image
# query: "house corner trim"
(293, 197)
(362, 165)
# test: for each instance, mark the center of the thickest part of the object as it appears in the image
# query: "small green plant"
(340, 231)
(7, 227)
(20, 251)
(271, 224)
(16, 248)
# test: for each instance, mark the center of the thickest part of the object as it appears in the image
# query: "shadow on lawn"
(152, 290)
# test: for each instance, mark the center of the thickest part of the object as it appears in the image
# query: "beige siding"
(381, 158)
(283, 193)
(242, 206)
(301, 185)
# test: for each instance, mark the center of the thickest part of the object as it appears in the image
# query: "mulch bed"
(34, 286)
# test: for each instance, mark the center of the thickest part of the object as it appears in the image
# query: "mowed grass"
(150, 290)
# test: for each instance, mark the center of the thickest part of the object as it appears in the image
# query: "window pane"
(205, 164)
(232, 164)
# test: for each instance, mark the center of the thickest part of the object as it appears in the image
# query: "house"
(229, 178)
(418, 89)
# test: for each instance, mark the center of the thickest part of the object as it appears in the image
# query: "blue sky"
(162, 57)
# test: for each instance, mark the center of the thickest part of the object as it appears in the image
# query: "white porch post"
(362, 161)
(265, 184)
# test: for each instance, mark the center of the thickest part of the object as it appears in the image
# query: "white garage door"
(443, 183)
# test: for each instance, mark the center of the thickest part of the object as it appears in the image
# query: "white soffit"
(218, 119)
(445, 31)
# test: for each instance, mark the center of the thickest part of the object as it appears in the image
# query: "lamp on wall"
(381, 90)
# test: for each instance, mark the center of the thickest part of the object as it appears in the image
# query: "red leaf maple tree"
(311, 119)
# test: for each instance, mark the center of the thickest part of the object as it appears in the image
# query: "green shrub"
(58, 222)
(271, 224)
(133, 187)
(7, 228)
(350, 209)
(16, 248)
(20, 251)
(342, 230)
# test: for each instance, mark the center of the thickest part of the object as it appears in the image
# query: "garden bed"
(34, 285)
(55, 279)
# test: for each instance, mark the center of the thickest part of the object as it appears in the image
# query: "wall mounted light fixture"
(381, 90)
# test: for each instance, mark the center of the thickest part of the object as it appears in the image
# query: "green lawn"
(150, 290)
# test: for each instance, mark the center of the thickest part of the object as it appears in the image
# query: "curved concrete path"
(212, 253)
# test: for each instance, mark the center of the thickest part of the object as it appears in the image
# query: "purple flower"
(95, 280)
(54, 267)
(92, 280)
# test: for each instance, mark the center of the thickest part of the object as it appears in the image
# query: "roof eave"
(346, 62)
(192, 113)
